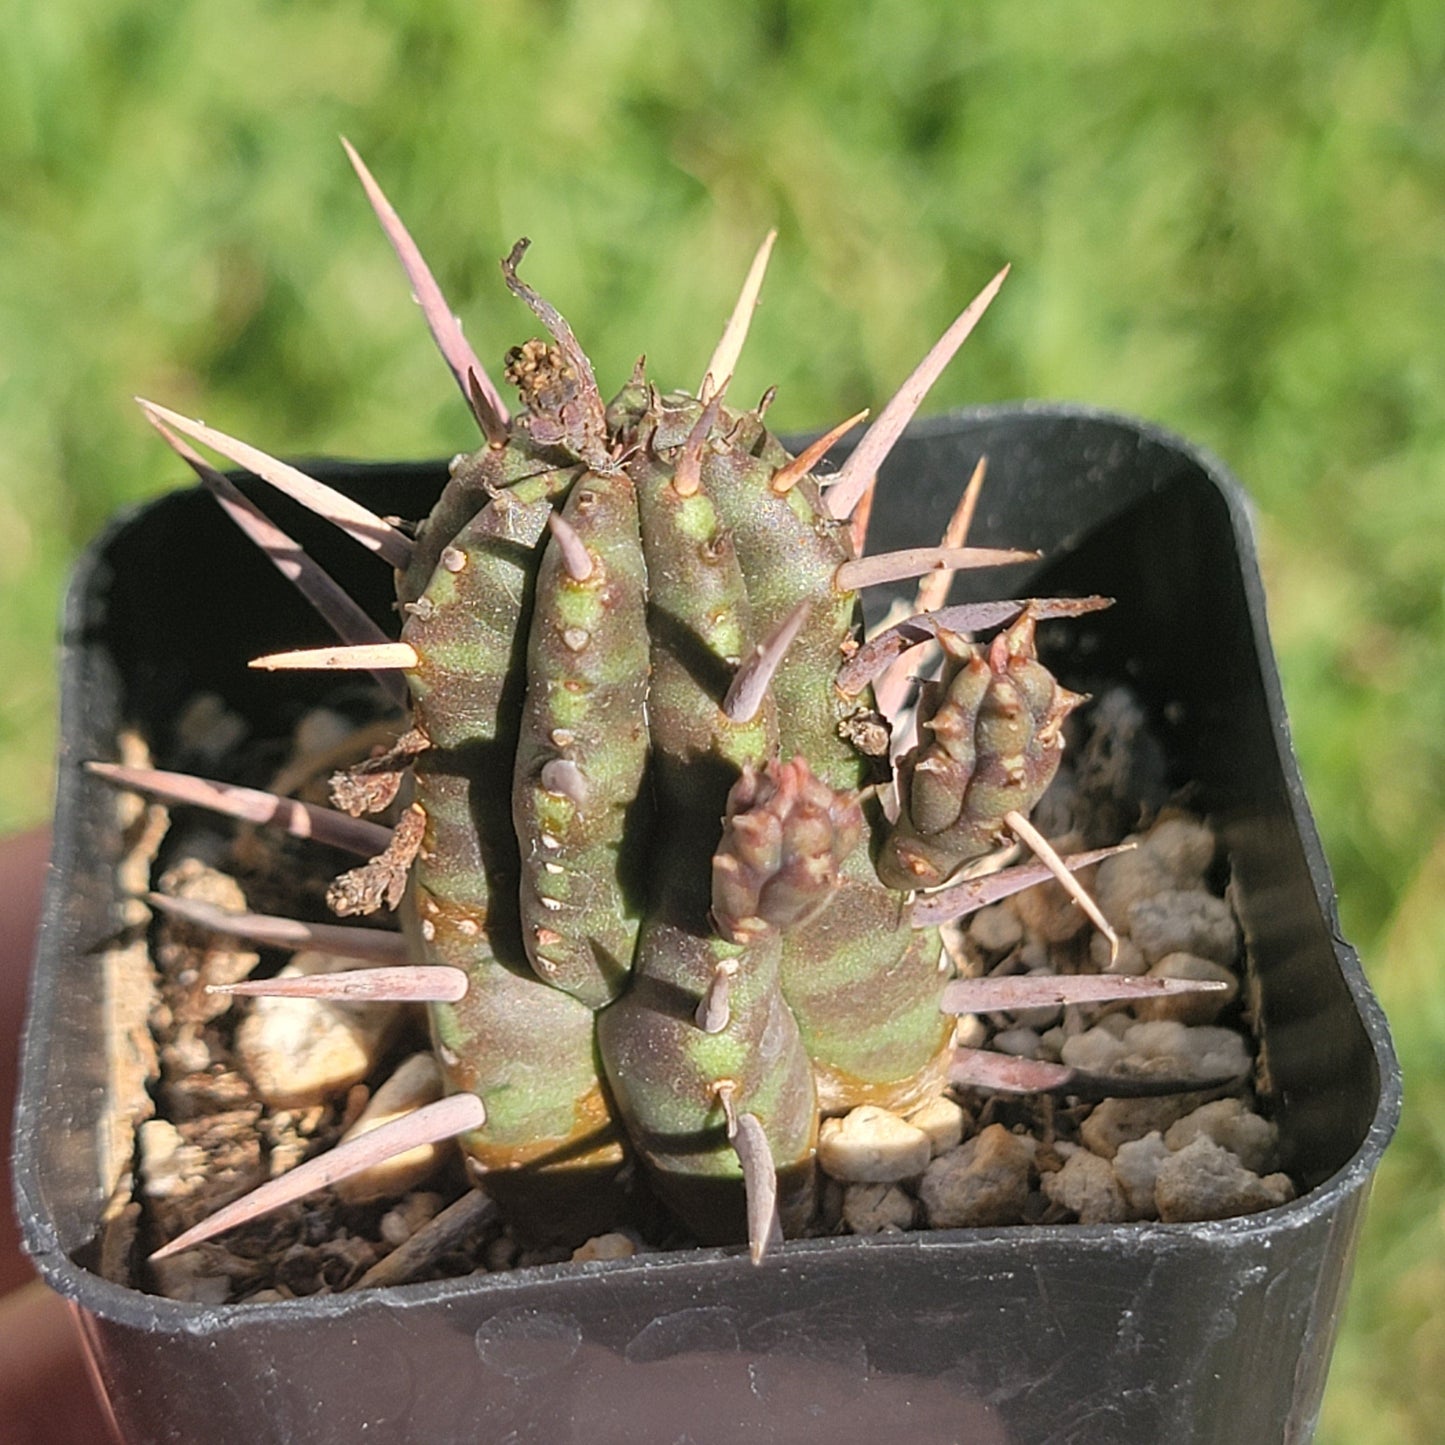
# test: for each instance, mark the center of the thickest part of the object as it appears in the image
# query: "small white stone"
(188, 1276)
(970, 1032)
(399, 1224)
(1095, 1051)
(1203, 1052)
(874, 1208)
(168, 1165)
(985, 1181)
(1116, 1024)
(944, 1121)
(872, 1145)
(995, 929)
(1087, 1186)
(1114, 1122)
(1051, 1045)
(299, 1052)
(1020, 1043)
(1136, 1167)
(1127, 879)
(1185, 847)
(1204, 1181)
(1249, 1137)
(416, 1082)
(1184, 921)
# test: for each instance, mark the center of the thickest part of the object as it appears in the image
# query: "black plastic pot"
(1211, 1333)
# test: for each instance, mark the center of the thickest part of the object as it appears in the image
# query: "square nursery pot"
(1217, 1332)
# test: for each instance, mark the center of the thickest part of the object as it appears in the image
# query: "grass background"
(1227, 218)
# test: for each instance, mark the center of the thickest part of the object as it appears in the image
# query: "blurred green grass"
(1229, 219)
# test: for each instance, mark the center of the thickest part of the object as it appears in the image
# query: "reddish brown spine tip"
(687, 478)
(791, 473)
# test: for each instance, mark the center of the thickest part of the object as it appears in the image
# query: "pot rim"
(129, 1306)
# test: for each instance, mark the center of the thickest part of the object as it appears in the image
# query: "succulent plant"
(670, 892)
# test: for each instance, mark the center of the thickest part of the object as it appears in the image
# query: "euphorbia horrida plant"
(669, 889)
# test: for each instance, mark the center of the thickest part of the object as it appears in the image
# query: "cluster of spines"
(651, 609)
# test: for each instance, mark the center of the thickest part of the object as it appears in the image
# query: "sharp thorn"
(301, 820)
(1005, 994)
(573, 550)
(1006, 1074)
(730, 347)
(862, 516)
(458, 1114)
(456, 1225)
(412, 983)
(760, 1184)
(360, 524)
(751, 681)
(492, 423)
(341, 659)
(933, 589)
(333, 604)
(713, 1013)
(366, 945)
(446, 330)
(916, 561)
(687, 477)
(984, 1069)
(791, 473)
(959, 899)
(1030, 835)
(874, 657)
(862, 466)
(890, 692)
